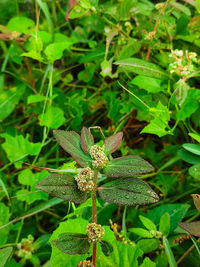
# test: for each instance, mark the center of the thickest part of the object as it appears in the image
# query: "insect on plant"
(121, 187)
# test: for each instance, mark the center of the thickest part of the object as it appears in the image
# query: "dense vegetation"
(128, 66)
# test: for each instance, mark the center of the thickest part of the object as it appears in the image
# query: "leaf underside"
(113, 142)
(196, 199)
(128, 191)
(62, 186)
(71, 142)
(193, 227)
(72, 243)
(127, 167)
(87, 140)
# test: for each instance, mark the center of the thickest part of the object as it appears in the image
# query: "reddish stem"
(94, 216)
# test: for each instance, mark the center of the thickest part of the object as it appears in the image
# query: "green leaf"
(4, 218)
(193, 148)
(72, 243)
(151, 85)
(148, 245)
(4, 255)
(62, 186)
(148, 263)
(18, 147)
(113, 142)
(128, 191)
(122, 255)
(148, 223)
(164, 225)
(176, 213)
(193, 227)
(55, 51)
(194, 171)
(159, 123)
(52, 118)
(127, 166)
(141, 232)
(195, 136)
(20, 24)
(71, 142)
(142, 67)
(26, 177)
(196, 199)
(188, 157)
(9, 99)
(60, 259)
(106, 247)
(87, 140)
(190, 105)
(35, 99)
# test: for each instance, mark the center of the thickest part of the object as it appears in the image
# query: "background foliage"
(104, 63)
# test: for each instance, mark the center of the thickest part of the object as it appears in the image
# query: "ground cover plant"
(82, 74)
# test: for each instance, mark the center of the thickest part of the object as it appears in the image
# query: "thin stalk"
(94, 216)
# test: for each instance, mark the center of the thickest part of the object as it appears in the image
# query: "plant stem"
(94, 216)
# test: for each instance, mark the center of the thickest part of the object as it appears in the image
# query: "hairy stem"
(94, 216)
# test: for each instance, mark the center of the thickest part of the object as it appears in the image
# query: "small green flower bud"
(100, 159)
(95, 232)
(85, 180)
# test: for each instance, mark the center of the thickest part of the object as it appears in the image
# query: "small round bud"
(100, 159)
(85, 180)
(159, 6)
(95, 232)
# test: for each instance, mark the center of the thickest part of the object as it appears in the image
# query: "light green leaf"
(192, 148)
(18, 147)
(35, 98)
(159, 124)
(20, 24)
(55, 51)
(194, 171)
(148, 245)
(148, 223)
(122, 255)
(8, 100)
(52, 118)
(4, 255)
(141, 232)
(151, 85)
(26, 177)
(164, 226)
(195, 136)
(148, 263)
(142, 67)
(4, 217)
(58, 258)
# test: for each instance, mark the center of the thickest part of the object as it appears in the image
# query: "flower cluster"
(99, 157)
(183, 62)
(95, 232)
(85, 263)
(25, 248)
(85, 179)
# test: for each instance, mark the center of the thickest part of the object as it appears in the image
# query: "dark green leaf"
(142, 67)
(62, 186)
(87, 140)
(148, 245)
(189, 157)
(193, 148)
(4, 255)
(128, 191)
(72, 243)
(196, 199)
(71, 142)
(113, 142)
(106, 247)
(193, 227)
(127, 166)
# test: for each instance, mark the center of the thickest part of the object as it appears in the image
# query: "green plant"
(124, 190)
